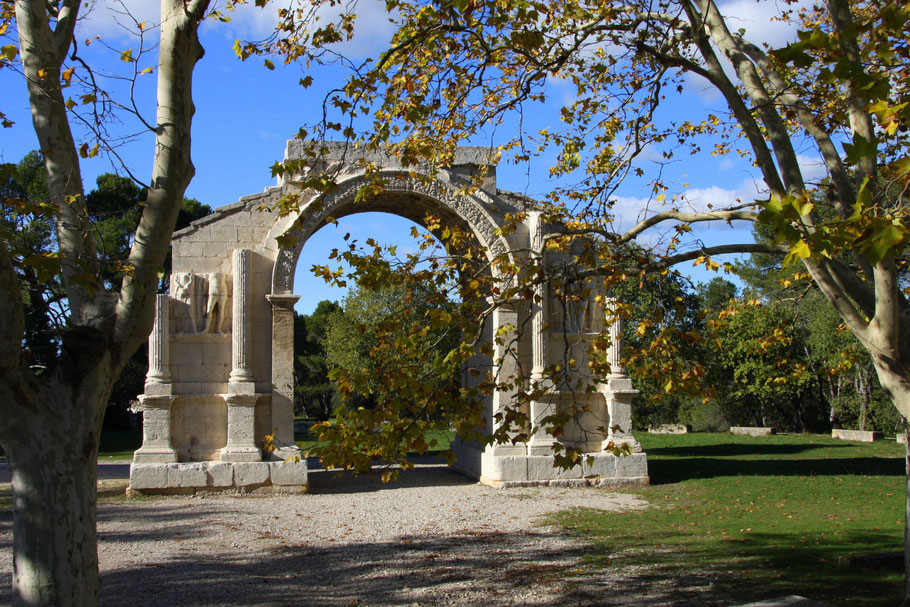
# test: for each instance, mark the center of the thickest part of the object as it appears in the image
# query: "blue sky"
(245, 114)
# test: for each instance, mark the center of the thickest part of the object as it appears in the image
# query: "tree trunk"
(54, 482)
(906, 601)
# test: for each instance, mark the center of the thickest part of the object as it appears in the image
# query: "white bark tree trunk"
(50, 425)
(54, 478)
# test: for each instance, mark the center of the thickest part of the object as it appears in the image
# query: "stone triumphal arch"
(221, 353)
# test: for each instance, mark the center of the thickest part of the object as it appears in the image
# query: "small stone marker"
(670, 429)
(751, 431)
(862, 436)
(900, 438)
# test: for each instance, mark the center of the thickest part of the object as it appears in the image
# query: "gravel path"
(433, 538)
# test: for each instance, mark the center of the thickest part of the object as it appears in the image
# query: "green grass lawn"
(116, 445)
(755, 518)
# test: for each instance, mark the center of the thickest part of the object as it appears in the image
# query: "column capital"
(282, 300)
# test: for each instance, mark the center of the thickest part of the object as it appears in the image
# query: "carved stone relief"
(578, 314)
(202, 302)
(218, 303)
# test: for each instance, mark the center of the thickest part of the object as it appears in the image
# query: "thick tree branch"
(774, 125)
(763, 158)
(886, 322)
(41, 65)
(833, 286)
(173, 169)
(860, 120)
(836, 169)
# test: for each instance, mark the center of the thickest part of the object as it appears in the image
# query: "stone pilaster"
(241, 346)
(283, 372)
(156, 430)
(505, 369)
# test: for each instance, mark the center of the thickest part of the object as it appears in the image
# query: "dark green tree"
(314, 393)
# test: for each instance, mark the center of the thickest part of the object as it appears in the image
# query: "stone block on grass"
(751, 431)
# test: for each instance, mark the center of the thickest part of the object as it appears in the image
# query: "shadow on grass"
(762, 567)
(667, 471)
(433, 475)
(736, 449)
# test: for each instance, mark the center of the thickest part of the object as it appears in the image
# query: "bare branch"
(726, 249)
(676, 215)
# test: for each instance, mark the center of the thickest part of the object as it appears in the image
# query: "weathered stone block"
(670, 429)
(220, 474)
(751, 431)
(187, 475)
(603, 466)
(541, 468)
(148, 476)
(504, 467)
(862, 436)
(634, 465)
(251, 473)
(288, 473)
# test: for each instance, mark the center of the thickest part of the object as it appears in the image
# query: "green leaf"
(127, 55)
(9, 52)
(884, 242)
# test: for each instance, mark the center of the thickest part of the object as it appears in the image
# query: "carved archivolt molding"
(446, 196)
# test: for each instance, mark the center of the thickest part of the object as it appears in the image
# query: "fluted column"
(241, 398)
(539, 305)
(618, 393)
(617, 370)
(541, 442)
(241, 369)
(159, 343)
(156, 402)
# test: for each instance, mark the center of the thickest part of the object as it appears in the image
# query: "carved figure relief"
(218, 303)
(580, 314)
(188, 306)
(202, 302)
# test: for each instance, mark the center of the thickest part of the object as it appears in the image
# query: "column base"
(241, 454)
(499, 470)
(154, 455)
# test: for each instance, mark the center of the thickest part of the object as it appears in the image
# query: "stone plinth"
(862, 436)
(751, 431)
(281, 477)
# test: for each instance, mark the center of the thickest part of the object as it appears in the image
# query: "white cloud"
(372, 29)
(630, 210)
(116, 18)
(757, 18)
